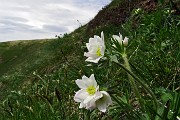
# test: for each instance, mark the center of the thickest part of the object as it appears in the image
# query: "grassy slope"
(17, 54)
(153, 50)
(19, 59)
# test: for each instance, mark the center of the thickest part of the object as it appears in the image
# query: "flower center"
(91, 90)
(98, 52)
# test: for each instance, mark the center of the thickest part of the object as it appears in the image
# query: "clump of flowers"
(96, 48)
(89, 95)
(120, 39)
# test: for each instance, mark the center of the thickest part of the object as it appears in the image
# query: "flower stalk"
(132, 81)
(122, 51)
(147, 89)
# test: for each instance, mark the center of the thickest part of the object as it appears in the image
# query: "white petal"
(91, 55)
(82, 105)
(97, 37)
(87, 81)
(94, 97)
(84, 78)
(94, 83)
(104, 102)
(107, 97)
(125, 41)
(86, 54)
(120, 36)
(102, 48)
(93, 60)
(98, 94)
(87, 45)
(91, 41)
(93, 49)
(116, 37)
(98, 40)
(91, 105)
(81, 84)
(80, 95)
(88, 99)
(102, 36)
(101, 107)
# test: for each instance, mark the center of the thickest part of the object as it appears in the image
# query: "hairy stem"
(148, 90)
(132, 82)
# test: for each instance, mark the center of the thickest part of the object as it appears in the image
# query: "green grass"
(37, 78)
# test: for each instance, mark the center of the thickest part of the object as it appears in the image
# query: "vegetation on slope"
(38, 83)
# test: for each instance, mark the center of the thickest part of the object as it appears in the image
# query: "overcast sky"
(38, 19)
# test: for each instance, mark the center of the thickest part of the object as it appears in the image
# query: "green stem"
(141, 83)
(132, 82)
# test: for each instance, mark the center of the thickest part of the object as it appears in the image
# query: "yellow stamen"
(98, 52)
(91, 90)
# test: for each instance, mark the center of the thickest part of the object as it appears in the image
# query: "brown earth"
(116, 15)
(119, 14)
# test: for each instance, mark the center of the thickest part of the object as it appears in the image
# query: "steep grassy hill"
(37, 78)
(19, 59)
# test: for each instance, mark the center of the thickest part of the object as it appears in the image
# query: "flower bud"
(125, 41)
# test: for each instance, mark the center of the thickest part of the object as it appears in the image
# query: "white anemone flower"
(96, 48)
(104, 102)
(120, 39)
(89, 95)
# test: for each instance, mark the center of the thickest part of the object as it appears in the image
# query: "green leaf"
(166, 96)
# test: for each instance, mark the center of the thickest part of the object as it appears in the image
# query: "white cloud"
(23, 19)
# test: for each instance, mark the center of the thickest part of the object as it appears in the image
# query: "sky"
(41, 19)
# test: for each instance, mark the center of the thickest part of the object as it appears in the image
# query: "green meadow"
(37, 77)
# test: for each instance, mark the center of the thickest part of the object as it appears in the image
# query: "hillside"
(20, 59)
(37, 77)
(45, 56)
